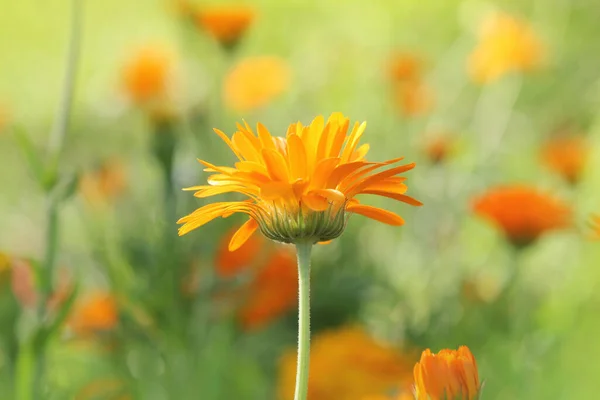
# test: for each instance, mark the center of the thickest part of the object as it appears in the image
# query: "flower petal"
(243, 234)
(378, 214)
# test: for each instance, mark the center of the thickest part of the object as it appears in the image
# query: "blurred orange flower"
(522, 213)
(273, 291)
(449, 374)
(226, 24)
(506, 44)
(254, 82)
(347, 364)
(96, 312)
(148, 77)
(566, 156)
(105, 183)
(438, 148)
(405, 67)
(414, 98)
(273, 286)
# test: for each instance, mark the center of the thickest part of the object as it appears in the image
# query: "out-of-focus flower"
(449, 374)
(506, 44)
(104, 184)
(522, 213)
(301, 187)
(94, 313)
(148, 79)
(273, 290)
(226, 24)
(438, 148)
(405, 67)
(254, 82)
(566, 156)
(110, 388)
(347, 364)
(414, 98)
(595, 224)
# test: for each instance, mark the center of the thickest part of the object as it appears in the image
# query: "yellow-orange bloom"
(347, 364)
(566, 156)
(148, 77)
(447, 375)
(227, 24)
(105, 183)
(300, 187)
(97, 312)
(273, 286)
(506, 44)
(254, 82)
(522, 213)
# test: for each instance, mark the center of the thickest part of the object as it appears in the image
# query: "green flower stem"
(303, 250)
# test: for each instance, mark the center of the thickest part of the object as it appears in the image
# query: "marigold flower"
(449, 374)
(148, 78)
(566, 156)
(347, 364)
(301, 187)
(438, 148)
(227, 24)
(105, 183)
(522, 213)
(506, 44)
(97, 312)
(405, 67)
(254, 82)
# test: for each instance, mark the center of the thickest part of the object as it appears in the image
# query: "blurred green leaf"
(32, 155)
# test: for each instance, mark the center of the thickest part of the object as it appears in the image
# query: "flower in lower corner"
(300, 188)
(226, 24)
(522, 213)
(447, 375)
(347, 364)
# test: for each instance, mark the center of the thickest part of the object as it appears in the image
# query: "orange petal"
(245, 147)
(315, 202)
(334, 196)
(396, 196)
(265, 136)
(378, 214)
(224, 137)
(243, 234)
(296, 157)
(276, 165)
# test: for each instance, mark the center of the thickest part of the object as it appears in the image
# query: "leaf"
(67, 186)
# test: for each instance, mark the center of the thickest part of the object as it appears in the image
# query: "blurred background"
(105, 106)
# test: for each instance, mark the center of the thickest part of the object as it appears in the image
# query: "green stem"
(25, 367)
(303, 250)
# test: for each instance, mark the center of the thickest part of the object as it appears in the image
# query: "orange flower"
(299, 187)
(230, 263)
(148, 77)
(227, 24)
(595, 223)
(254, 82)
(95, 313)
(405, 67)
(438, 148)
(449, 374)
(506, 44)
(522, 213)
(566, 156)
(273, 286)
(105, 183)
(414, 98)
(347, 364)
(273, 291)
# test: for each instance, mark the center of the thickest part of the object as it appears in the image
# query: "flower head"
(148, 76)
(301, 187)
(104, 183)
(97, 312)
(447, 375)
(347, 364)
(506, 44)
(254, 82)
(566, 156)
(522, 213)
(226, 24)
